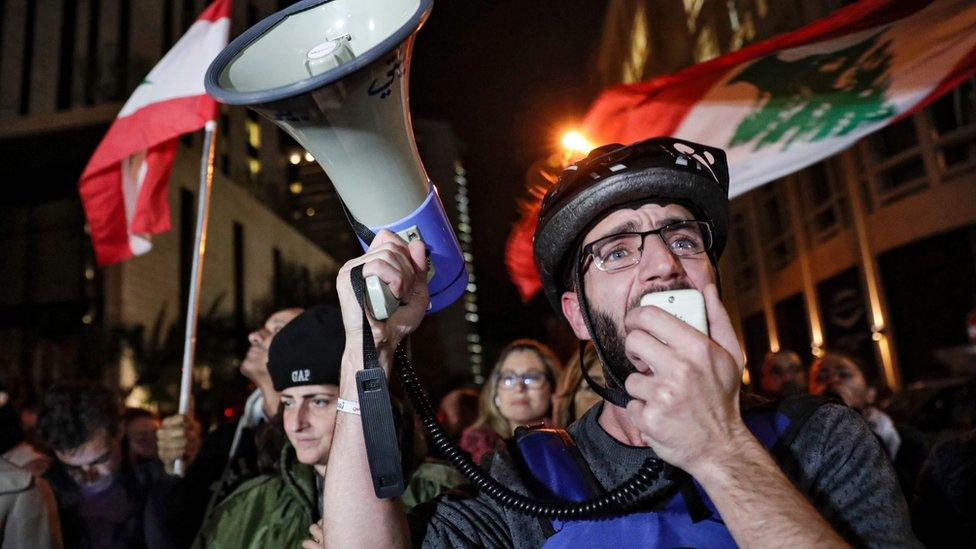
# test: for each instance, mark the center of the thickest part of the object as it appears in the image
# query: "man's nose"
(257, 337)
(657, 263)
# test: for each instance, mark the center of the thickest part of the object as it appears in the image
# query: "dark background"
(510, 77)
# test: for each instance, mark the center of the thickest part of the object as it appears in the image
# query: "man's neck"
(614, 420)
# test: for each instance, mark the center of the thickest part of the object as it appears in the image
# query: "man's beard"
(616, 365)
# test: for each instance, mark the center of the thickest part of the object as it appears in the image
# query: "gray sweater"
(834, 460)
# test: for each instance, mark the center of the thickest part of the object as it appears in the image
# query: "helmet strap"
(614, 391)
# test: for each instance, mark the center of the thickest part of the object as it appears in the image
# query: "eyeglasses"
(532, 380)
(618, 251)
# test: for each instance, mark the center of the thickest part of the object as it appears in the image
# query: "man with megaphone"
(628, 226)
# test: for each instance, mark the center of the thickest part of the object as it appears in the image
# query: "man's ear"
(571, 310)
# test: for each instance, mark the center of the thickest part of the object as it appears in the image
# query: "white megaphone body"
(333, 74)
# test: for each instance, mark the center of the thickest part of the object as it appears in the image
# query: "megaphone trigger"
(380, 300)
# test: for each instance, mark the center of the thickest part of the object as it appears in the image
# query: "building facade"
(871, 252)
(277, 232)
(65, 70)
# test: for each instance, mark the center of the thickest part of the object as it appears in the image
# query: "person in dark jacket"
(944, 508)
(838, 374)
(228, 456)
(101, 499)
(277, 510)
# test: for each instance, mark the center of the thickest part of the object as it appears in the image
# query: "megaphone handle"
(381, 301)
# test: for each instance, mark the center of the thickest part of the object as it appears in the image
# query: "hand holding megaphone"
(380, 299)
(398, 271)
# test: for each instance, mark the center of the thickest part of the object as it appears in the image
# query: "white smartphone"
(687, 305)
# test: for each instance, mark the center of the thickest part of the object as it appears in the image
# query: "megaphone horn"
(333, 74)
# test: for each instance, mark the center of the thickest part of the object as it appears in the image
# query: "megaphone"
(333, 74)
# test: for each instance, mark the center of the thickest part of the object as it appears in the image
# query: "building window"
(897, 160)
(775, 233)
(738, 248)
(822, 197)
(953, 117)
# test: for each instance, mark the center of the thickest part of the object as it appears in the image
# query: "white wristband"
(347, 406)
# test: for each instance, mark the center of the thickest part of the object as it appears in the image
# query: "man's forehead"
(93, 449)
(658, 213)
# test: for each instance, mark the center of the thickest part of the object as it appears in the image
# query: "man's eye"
(683, 243)
(321, 402)
(287, 403)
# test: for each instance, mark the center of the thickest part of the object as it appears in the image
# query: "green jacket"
(431, 479)
(267, 511)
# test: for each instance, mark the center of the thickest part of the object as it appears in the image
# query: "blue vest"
(687, 519)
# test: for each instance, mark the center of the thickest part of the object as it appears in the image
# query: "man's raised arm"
(352, 514)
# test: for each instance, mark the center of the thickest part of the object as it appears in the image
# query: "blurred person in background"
(101, 498)
(782, 375)
(139, 428)
(28, 511)
(838, 375)
(518, 392)
(573, 397)
(944, 507)
(277, 510)
(458, 410)
(14, 446)
(228, 456)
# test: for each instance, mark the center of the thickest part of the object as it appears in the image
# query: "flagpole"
(199, 249)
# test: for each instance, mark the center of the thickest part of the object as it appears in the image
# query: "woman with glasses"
(519, 392)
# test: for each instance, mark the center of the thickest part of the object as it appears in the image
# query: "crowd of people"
(816, 460)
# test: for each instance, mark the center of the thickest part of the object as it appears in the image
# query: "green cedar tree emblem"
(818, 96)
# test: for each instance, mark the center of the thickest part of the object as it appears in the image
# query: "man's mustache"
(654, 288)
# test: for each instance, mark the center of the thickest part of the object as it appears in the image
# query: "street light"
(575, 144)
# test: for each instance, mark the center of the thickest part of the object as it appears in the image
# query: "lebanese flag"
(785, 103)
(123, 187)
(788, 102)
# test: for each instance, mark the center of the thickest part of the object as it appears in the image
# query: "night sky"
(510, 76)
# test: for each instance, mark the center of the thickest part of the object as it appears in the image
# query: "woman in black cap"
(277, 510)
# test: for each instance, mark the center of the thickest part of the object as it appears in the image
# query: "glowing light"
(574, 142)
(309, 157)
(294, 158)
(310, 212)
(295, 188)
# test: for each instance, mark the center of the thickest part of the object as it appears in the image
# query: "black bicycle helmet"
(611, 176)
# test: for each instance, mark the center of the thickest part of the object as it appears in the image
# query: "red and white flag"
(123, 187)
(782, 104)
(785, 103)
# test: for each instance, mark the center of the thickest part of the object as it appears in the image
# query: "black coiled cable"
(613, 501)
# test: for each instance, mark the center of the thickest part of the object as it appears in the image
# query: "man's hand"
(686, 394)
(178, 438)
(404, 269)
(315, 537)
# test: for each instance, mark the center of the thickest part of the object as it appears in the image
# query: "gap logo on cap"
(298, 376)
